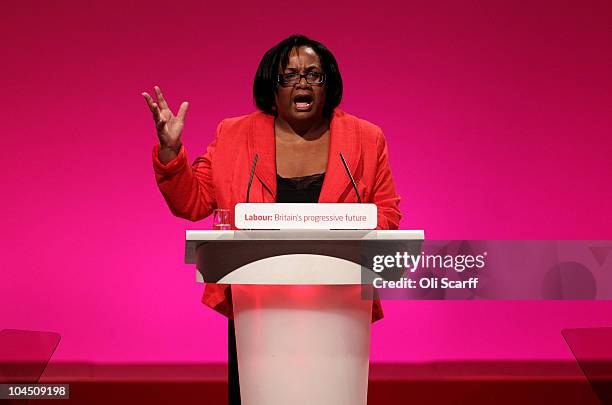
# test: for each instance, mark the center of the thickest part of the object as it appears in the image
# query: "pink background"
(497, 118)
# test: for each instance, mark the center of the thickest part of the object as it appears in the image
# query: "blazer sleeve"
(188, 189)
(384, 194)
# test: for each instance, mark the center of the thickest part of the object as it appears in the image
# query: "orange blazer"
(219, 178)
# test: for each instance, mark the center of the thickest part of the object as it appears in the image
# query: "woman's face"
(302, 101)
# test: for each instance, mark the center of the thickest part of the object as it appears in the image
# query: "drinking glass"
(221, 219)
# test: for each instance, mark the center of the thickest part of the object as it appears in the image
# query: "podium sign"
(305, 216)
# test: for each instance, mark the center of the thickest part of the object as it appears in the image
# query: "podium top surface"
(311, 234)
(195, 238)
(264, 256)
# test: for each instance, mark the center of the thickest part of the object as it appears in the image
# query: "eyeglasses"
(291, 79)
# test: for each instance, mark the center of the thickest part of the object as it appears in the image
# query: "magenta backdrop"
(497, 117)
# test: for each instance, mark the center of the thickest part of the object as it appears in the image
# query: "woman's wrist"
(168, 153)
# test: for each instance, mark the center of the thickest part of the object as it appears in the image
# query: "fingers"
(155, 110)
(156, 113)
(149, 100)
(160, 98)
(182, 111)
(160, 110)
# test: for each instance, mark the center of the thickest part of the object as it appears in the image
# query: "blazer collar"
(261, 142)
(345, 138)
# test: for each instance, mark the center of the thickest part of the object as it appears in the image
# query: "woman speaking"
(297, 136)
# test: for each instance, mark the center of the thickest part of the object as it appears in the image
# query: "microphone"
(350, 177)
(251, 177)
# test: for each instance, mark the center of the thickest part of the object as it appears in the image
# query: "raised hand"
(169, 126)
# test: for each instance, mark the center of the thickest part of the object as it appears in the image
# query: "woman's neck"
(307, 131)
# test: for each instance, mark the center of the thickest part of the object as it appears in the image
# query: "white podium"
(301, 313)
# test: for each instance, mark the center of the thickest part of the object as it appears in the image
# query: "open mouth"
(303, 102)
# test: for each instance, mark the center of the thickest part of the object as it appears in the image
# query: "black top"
(305, 189)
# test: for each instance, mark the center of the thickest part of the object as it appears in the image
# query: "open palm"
(169, 126)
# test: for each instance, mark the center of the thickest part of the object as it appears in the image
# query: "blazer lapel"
(345, 138)
(261, 142)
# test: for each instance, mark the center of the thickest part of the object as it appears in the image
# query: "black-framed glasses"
(291, 79)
